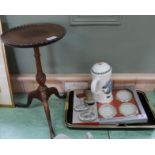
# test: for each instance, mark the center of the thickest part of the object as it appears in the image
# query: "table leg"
(41, 79)
(53, 90)
(48, 116)
(31, 96)
(43, 92)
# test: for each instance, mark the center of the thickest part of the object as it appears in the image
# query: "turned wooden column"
(41, 79)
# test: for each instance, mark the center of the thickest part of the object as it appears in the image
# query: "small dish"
(128, 109)
(107, 111)
(87, 116)
(81, 107)
(123, 95)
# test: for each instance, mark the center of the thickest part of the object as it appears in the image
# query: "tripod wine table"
(34, 36)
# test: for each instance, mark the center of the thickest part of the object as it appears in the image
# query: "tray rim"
(108, 126)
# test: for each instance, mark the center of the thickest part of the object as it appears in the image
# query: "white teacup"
(101, 85)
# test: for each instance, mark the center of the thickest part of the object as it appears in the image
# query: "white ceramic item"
(123, 95)
(101, 85)
(128, 109)
(107, 111)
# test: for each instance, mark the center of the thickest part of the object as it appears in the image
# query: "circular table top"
(33, 35)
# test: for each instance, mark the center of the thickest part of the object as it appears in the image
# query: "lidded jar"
(101, 85)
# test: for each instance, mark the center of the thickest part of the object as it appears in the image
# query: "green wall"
(128, 47)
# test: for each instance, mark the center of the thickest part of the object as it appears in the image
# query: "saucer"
(81, 107)
(107, 111)
(123, 95)
(128, 109)
(87, 116)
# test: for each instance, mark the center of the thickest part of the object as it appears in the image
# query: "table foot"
(43, 93)
(48, 116)
(53, 90)
(31, 96)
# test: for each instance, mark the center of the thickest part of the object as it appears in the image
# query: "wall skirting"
(27, 83)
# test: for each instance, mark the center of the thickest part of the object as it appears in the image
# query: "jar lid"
(101, 68)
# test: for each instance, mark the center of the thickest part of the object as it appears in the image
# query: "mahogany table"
(34, 36)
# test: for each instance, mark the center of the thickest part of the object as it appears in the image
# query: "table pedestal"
(42, 92)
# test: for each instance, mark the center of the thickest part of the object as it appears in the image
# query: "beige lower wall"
(27, 83)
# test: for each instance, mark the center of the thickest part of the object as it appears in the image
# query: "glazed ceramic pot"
(101, 85)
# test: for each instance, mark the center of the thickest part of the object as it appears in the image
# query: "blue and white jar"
(101, 85)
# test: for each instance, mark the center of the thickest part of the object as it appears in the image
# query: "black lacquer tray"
(150, 124)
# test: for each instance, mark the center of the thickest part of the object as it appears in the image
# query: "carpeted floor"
(30, 123)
